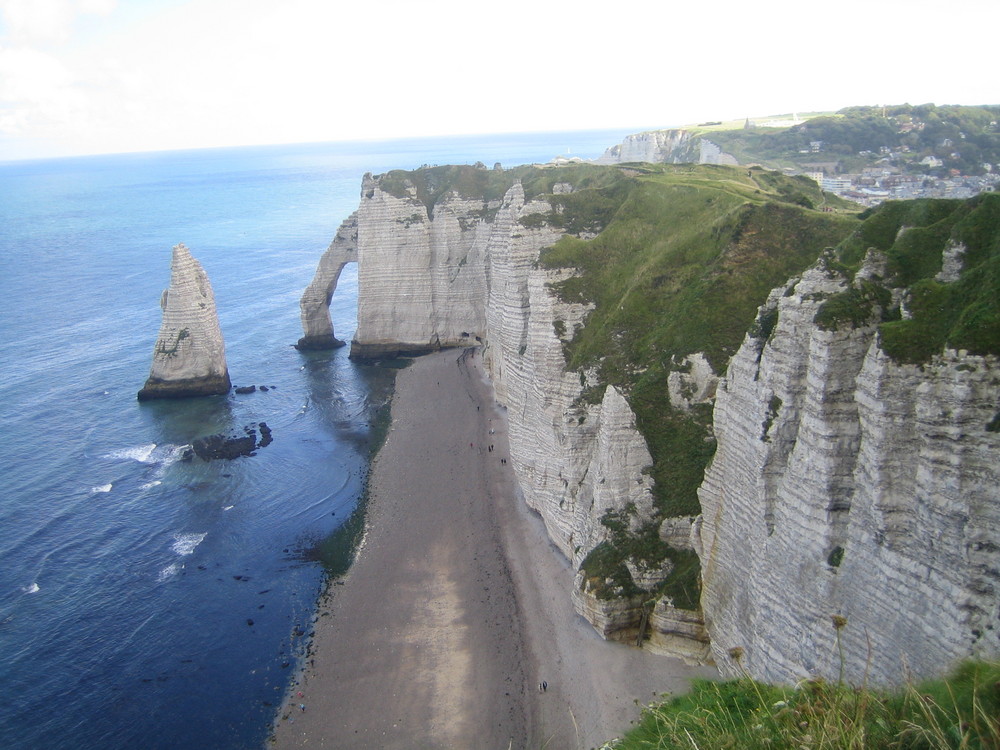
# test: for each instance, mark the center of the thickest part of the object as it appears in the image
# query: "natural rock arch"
(317, 328)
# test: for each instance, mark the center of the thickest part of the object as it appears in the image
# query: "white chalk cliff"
(189, 358)
(665, 147)
(421, 277)
(843, 483)
(466, 273)
(846, 484)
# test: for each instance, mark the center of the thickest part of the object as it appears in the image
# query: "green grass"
(962, 711)
(964, 314)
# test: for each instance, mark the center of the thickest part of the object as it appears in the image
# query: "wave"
(150, 453)
(102, 488)
(184, 544)
(168, 572)
(170, 454)
(32, 589)
(140, 453)
(151, 485)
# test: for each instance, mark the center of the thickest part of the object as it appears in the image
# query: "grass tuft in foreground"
(959, 712)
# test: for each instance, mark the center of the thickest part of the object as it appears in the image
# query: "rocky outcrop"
(847, 484)
(314, 307)
(189, 358)
(229, 447)
(844, 482)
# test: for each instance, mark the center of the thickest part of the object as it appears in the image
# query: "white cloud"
(175, 73)
(47, 21)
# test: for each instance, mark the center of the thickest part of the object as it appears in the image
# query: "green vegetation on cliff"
(685, 256)
(962, 313)
(681, 267)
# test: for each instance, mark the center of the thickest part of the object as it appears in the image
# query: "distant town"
(881, 183)
(898, 173)
(872, 154)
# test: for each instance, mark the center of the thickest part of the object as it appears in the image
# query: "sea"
(148, 601)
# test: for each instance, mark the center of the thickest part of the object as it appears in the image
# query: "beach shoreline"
(457, 606)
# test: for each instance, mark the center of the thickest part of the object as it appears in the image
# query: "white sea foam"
(102, 488)
(184, 544)
(228, 507)
(150, 485)
(172, 453)
(140, 453)
(168, 572)
(32, 589)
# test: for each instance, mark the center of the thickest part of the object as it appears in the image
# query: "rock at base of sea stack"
(189, 358)
(318, 343)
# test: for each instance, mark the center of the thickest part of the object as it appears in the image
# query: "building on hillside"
(836, 184)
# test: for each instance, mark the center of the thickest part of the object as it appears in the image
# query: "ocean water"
(147, 601)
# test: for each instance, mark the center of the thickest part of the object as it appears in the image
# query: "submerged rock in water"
(189, 358)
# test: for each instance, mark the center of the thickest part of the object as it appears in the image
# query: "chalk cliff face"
(846, 484)
(468, 270)
(421, 280)
(189, 358)
(652, 146)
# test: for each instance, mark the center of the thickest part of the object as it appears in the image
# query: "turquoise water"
(145, 601)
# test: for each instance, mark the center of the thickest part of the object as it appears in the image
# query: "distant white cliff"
(665, 147)
(189, 358)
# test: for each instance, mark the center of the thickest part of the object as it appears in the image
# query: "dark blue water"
(147, 601)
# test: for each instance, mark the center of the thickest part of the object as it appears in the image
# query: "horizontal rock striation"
(189, 358)
(314, 307)
(846, 484)
(421, 279)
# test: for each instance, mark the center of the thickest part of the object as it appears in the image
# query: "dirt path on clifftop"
(457, 606)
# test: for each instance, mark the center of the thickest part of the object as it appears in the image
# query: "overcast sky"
(97, 76)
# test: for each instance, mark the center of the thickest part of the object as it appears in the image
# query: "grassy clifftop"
(681, 266)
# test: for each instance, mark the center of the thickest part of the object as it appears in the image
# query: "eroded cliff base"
(367, 352)
(213, 385)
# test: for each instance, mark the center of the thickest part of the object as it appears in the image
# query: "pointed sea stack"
(190, 356)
